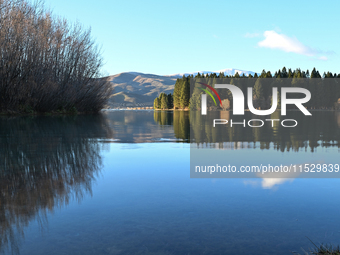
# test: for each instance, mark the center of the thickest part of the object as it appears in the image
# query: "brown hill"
(138, 89)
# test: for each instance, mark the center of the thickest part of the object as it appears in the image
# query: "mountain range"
(227, 71)
(133, 89)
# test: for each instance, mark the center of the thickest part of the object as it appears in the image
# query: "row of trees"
(164, 101)
(180, 98)
(325, 92)
(284, 73)
(47, 64)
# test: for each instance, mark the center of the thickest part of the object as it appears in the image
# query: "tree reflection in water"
(319, 130)
(45, 162)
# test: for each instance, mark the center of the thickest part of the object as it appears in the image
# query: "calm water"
(119, 183)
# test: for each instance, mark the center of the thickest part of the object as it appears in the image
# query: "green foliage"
(315, 74)
(156, 103)
(185, 94)
(324, 94)
(195, 100)
(170, 101)
(163, 102)
(177, 93)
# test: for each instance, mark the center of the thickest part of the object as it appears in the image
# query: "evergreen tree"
(263, 74)
(164, 101)
(329, 75)
(318, 74)
(284, 73)
(315, 74)
(290, 73)
(278, 75)
(177, 93)
(156, 104)
(324, 94)
(185, 94)
(269, 74)
(170, 101)
(297, 73)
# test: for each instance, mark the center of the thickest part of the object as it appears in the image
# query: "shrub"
(46, 63)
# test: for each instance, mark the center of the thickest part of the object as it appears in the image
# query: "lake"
(119, 183)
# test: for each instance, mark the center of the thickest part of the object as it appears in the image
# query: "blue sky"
(166, 37)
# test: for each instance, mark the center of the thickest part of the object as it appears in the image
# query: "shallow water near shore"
(119, 183)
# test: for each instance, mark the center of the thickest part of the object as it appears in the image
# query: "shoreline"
(70, 113)
(54, 113)
(217, 110)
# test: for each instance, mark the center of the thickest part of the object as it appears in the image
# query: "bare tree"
(47, 64)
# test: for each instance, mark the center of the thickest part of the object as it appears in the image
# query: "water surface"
(119, 183)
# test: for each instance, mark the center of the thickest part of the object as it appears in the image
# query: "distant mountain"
(133, 89)
(138, 89)
(227, 71)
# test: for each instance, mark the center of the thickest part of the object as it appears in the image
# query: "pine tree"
(185, 94)
(156, 103)
(315, 74)
(269, 75)
(290, 73)
(284, 73)
(278, 75)
(177, 93)
(170, 101)
(263, 74)
(164, 101)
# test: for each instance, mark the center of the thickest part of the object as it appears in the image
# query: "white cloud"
(269, 183)
(273, 40)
